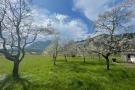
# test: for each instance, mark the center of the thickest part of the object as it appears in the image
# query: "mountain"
(38, 47)
(105, 36)
(129, 37)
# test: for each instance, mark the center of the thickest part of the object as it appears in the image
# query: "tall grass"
(38, 73)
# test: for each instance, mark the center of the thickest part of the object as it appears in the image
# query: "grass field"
(38, 73)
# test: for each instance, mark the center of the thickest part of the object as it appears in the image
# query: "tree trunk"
(107, 60)
(15, 70)
(107, 63)
(54, 60)
(65, 58)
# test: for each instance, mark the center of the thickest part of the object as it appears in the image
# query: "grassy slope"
(38, 73)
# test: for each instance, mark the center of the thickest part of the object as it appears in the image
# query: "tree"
(82, 50)
(112, 22)
(54, 48)
(64, 50)
(96, 45)
(72, 48)
(16, 31)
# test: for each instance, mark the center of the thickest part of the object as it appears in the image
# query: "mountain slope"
(38, 46)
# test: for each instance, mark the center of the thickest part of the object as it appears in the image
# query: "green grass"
(38, 73)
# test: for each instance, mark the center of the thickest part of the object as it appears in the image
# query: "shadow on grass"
(53, 83)
(7, 83)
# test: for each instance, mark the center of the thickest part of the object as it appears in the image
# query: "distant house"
(128, 56)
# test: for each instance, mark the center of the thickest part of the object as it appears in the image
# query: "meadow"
(38, 73)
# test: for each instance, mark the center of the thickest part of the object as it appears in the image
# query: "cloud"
(67, 28)
(92, 8)
(71, 29)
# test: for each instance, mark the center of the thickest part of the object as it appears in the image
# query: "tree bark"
(106, 56)
(16, 70)
(65, 58)
(54, 60)
(107, 63)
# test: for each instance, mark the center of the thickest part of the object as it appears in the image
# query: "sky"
(71, 18)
